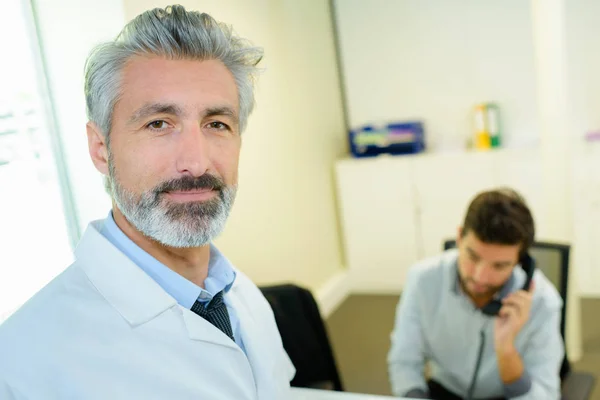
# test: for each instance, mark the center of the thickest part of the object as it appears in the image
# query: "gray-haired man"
(151, 309)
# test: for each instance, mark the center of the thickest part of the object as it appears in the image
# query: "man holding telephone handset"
(486, 322)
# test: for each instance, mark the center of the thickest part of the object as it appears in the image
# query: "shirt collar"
(221, 274)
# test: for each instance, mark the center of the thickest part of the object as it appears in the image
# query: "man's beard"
(489, 292)
(191, 224)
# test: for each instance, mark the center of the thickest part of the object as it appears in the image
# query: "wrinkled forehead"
(189, 86)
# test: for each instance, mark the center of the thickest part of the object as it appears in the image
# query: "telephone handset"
(528, 264)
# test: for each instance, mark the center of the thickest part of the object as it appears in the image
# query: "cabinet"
(397, 210)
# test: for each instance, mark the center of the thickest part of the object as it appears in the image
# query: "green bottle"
(493, 119)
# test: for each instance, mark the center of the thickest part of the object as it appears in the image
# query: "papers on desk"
(311, 394)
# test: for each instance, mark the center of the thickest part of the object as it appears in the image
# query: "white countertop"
(311, 394)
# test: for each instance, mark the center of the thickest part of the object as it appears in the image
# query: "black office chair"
(304, 337)
(553, 260)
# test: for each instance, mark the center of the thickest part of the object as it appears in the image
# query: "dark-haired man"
(444, 319)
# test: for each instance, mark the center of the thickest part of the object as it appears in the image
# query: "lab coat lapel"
(200, 329)
(257, 348)
(134, 294)
(125, 286)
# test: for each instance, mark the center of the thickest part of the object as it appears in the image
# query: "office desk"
(311, 394)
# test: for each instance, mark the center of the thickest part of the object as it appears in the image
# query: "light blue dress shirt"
(438, 324)
(221, 274)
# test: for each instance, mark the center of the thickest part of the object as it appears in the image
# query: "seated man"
(444, 317)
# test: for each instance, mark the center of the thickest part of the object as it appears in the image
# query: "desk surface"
(311, 394)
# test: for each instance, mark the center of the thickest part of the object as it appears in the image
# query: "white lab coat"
(104, 329)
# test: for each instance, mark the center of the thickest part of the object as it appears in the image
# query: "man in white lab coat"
(151, 309)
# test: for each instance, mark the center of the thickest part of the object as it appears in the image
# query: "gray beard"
(185, 225)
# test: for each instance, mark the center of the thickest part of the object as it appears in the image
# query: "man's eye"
(218, 125)
(157, 125)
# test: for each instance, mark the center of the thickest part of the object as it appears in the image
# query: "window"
(35, 235)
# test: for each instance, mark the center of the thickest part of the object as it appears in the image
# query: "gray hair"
(173, 33)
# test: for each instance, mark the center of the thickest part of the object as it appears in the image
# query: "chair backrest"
(553, 260)
(304, 336)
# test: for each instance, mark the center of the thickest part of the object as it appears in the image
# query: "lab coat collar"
(122, 283)
(129, 290)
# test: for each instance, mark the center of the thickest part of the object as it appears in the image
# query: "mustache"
(187, 183)
(488, 287)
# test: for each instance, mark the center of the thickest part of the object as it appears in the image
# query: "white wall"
(283, 226)
(434, 60)
(583, 49)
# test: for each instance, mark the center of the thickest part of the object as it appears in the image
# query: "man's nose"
(481, 273)
(193, 153)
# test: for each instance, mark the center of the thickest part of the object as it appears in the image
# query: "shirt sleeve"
(542, 358)
(406, 359)
(8, 393)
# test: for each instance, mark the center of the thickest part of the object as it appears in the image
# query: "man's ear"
(97, 147)
(459, 235)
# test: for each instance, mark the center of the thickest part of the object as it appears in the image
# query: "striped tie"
(216, 313)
